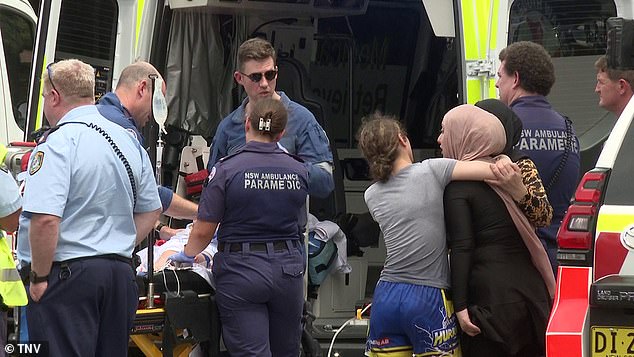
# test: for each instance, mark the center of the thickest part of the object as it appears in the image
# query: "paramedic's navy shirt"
(303, 137)
(247, 189)
(111, 108)
(543, 140)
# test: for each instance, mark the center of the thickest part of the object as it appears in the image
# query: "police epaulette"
(37, 134)
(42, 134)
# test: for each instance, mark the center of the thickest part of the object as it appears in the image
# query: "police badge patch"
(36, 162)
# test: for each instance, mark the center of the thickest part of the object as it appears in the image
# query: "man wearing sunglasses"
(304, 137)
(130, 106)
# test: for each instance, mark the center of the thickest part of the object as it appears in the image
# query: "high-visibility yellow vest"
(3, 153)
(11, 286)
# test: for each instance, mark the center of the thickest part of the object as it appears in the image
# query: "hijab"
(510, 121)
(471, 133)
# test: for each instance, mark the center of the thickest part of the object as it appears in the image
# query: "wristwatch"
(34, 278)
(158, 227)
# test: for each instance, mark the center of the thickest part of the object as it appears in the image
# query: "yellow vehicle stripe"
(474, 92)
(40, 100)
(615, 218)
(494, 24)
(474, 89)
(470, 25)
(139, 17)
(480, 21)
(492, 89)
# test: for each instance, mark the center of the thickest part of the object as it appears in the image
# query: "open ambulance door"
(17, 26)
(482, 27)
(92, 31)
(43, 53)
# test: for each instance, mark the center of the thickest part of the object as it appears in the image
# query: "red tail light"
(577, 228)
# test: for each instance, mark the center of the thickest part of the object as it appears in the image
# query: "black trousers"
(87, 309)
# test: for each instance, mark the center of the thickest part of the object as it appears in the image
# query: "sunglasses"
(257, 77)
(50, 76)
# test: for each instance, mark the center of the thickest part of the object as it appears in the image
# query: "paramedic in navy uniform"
(303, 136)
(130, 106)
(258, 196)
(79, 205)
(525, 77)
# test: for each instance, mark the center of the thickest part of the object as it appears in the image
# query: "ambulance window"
(389, 58)
(564, 27)
(91, 41)
(18, 38)
(619, 190)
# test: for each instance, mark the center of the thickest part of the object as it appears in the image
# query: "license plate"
(612, 342)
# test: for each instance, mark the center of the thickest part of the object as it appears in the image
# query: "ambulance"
(342, 59)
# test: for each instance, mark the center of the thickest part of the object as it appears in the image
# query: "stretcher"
(184, 314)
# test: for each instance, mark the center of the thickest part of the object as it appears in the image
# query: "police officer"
(90, 195)
(258, 196)
(304, 137)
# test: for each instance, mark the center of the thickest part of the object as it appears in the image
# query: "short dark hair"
(613, 74)
(257, 49)
(270, 110)
(533, 63)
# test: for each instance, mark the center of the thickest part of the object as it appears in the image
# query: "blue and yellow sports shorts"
(411, 319)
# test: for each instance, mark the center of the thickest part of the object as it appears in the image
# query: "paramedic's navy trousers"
(260, 296)
(88, 312)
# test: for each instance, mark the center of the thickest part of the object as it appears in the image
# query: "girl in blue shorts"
(411, 312)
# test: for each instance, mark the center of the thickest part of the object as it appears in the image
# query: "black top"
(491, 269)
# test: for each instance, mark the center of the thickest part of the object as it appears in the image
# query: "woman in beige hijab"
(502, 283)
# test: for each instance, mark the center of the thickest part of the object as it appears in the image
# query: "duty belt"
(278, 246)
(25, 268)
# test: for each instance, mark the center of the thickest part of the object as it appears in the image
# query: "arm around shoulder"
(472, 171)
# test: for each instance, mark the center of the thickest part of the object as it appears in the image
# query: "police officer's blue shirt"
(10, 199)
(111, 108)
(76, 175)
(544, 140)
(304, 137)
(258, 194)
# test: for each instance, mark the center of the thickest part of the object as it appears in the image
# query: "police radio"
(620, 51)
